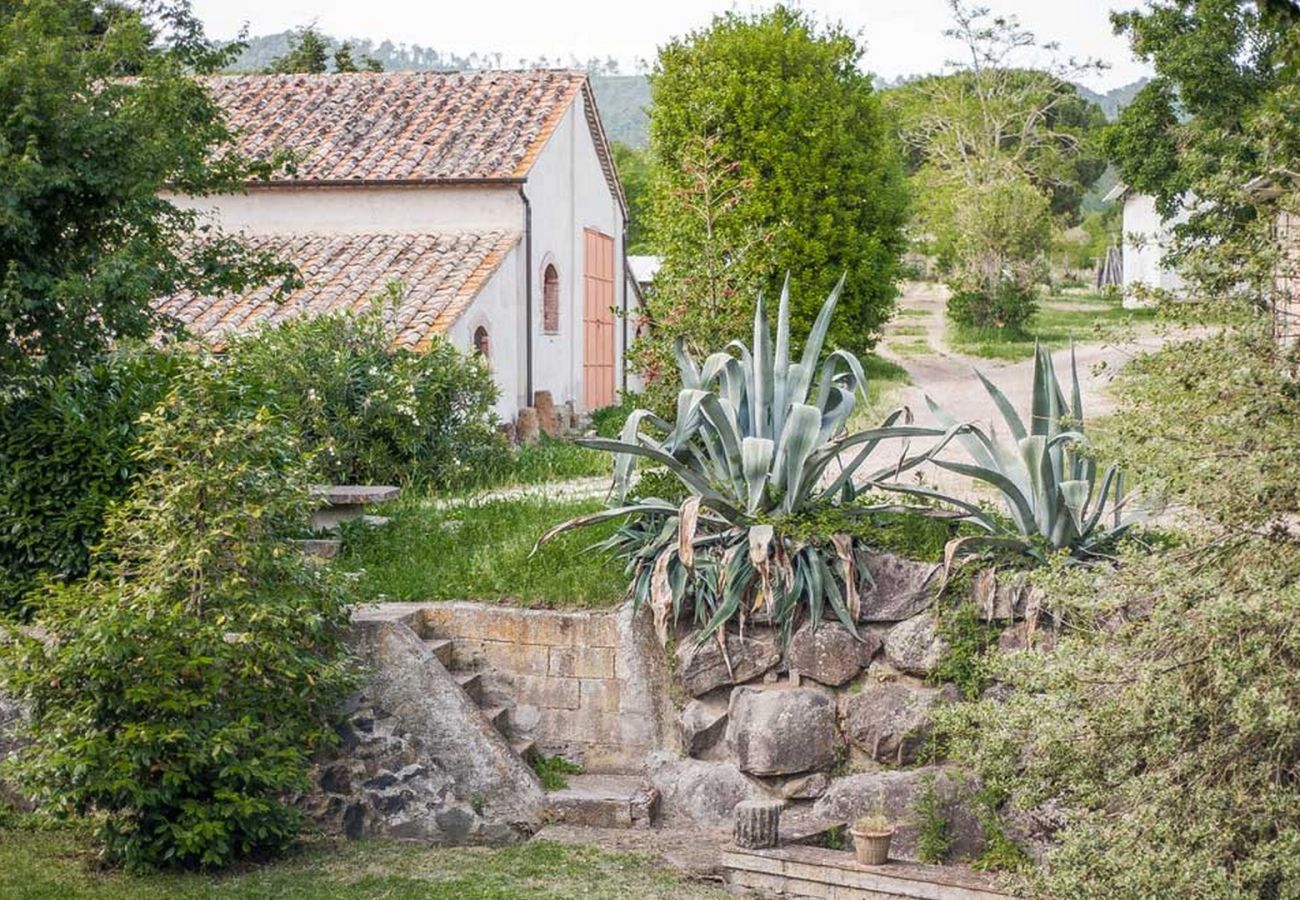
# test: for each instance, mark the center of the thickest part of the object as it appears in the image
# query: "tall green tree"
(634, 172)
(344, 61)
(87, 238)
(782, 98)
(996, 148)
(308, 54)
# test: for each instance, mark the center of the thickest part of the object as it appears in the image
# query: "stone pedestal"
(526, 427)
(758, 823)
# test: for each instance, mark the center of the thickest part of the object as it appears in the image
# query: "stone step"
(604, 801)
(471, 683)
(441, 648)
(525, 750)
(499, 716)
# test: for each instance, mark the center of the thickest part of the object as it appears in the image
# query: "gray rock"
(891, 721)
(804, 787)
(781, 731)
(830, 654)
(902, 588)
(896, 794)
(914, 646)
(646, 716)
(701, 667)
(1017, 637)
(703, 722)
(701, 792)
(418, 759)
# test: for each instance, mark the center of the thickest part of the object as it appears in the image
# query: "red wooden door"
(597, 320)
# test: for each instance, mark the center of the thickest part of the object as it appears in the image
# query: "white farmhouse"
(1147, 237)
(490, 196)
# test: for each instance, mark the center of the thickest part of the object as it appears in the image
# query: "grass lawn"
(551, 459)
(59, 865)
(480, 551)
(905, 312)
(1060, 319)
(911, 347)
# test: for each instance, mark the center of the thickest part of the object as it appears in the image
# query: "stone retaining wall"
(589, 686)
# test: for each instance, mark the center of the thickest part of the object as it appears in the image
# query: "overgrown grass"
(480, 551)
(884, 379)
(1069, 317)
(908, 331)
(551, 459)
(60, 865)
(908, 312)
(911, 348)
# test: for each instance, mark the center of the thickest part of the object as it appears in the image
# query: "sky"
(902, 37)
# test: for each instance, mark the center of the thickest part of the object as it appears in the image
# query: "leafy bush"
(1006, 305)
(189, 680)
(754, 434)
(369, 412)
(65, 455)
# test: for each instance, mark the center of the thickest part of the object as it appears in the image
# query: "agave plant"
(1046, 473)
(759, 440)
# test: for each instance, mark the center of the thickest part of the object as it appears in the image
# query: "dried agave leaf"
(844, 550)
(688, 522)
(661, 595)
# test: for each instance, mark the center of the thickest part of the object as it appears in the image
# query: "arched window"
(550, 300)
(481, 345)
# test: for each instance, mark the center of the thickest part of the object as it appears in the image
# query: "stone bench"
(345, 502)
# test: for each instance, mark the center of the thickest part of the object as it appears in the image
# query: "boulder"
(527, 429)
(704, 793)
(902, 588)
(914, 646)
(417, 759)
(830, 654)
(703, 724)
(891, 721)
(547, 420)
(804, 787)
(896, 794)
(782, 731)
(701, 667)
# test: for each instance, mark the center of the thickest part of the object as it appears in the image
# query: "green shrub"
(1007, 305)
(191, 678)
(64, 457)
(371, 413)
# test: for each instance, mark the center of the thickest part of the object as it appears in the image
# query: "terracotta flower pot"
(872, 847)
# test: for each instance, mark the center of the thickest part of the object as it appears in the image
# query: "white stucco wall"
(496, 308)
(1147, 238)
(363, 209)
(568, 193)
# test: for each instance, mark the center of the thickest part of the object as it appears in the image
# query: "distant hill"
(624, 100)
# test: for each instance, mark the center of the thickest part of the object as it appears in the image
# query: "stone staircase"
(589, 800)
(471, 682)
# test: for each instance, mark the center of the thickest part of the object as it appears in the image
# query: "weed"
(554, 771)
(934, 834)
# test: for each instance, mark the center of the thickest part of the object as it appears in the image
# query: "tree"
(343, 61)
(633, 164)
(87, 241)
(714, 263)
(996, 148)
(307, 54)
(784, 101)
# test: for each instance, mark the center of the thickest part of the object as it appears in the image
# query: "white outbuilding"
(490, 197)
(1147, 237)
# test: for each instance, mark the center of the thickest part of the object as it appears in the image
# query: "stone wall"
(838, 726)
(590, 686)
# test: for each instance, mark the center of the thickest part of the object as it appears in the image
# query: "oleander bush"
(182, 688)
(371, 412)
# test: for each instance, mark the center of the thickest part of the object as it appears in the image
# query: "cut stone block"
(604, 801)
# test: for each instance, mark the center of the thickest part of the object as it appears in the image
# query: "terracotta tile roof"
(400, 126)
(441, 274)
